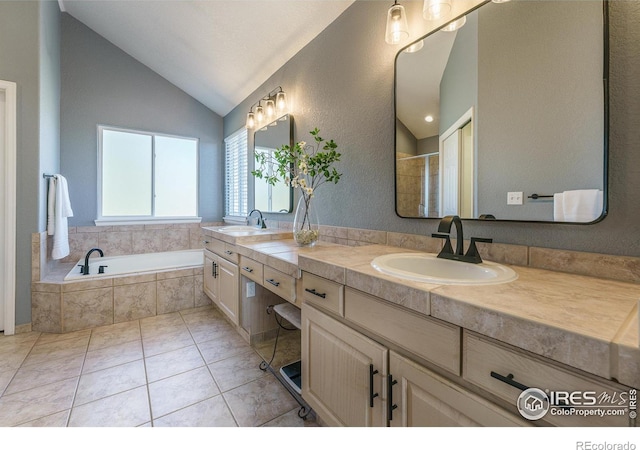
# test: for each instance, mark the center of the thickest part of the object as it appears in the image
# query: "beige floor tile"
(291, 419)
(35, 403)
(259, 402)
(207, 331)
(44, 353)
(106, 382)
(8, 343)
(236, 370)
(29, 377)
(5, 378)
(166, 342)
(209, 309)
(54, 420)
(288, 349)
(212, 412)
(172, 363)
(112, 356)
(48, 338)
(126, 409)
(223, 346)
(181, 390)
(152, 326)
(111, 335)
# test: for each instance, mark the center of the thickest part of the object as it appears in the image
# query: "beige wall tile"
(369, 236)
(46, 312)
(504, 253)
(414, 242)
(86, 285)
(54, 288)
(80, 244)
(147, 241)
(175, 239)
(175, 294)
(86, 309)
(116, 243)
(195, 238)
(133, 279)
(174, 274)
(200, 298)
(134, 301)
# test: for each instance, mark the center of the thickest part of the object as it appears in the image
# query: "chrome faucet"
(444, 230)
(261, 219)
(85, 268)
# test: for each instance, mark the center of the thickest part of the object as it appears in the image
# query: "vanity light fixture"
(397, 29)
(456, 24)
(500, 1)
(415, 46)
(436, 9)
(275, 106)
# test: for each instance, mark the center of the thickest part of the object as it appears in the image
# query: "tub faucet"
(444, 229)
(85, 268)
(261, 219)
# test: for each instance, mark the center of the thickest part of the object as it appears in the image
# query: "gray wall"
(542, 128)
(406, 142)
(29, 56)
(429, 145)
(103, 85)
(342, 82)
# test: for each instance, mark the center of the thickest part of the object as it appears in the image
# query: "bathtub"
(137, 264)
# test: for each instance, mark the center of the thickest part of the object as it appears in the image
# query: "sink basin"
(240, 228)
(428, 268)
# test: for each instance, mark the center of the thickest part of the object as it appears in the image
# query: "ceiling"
(219, 52)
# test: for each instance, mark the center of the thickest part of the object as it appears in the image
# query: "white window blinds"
(236, 172)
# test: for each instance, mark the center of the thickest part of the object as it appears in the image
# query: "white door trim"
(8, 228)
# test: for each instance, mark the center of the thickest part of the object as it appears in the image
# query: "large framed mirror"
(278, 198)
(506, 117)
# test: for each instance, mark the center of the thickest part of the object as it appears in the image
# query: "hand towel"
(51, 201)
(558, 207)
(62, 210)
(583, 205)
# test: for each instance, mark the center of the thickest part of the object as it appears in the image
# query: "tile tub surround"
(62, 307)
(587, 323)
(128, 374)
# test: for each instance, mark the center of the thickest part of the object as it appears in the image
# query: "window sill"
(158, 221)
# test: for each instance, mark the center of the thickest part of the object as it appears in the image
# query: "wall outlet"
(514, 198)
(251, 289)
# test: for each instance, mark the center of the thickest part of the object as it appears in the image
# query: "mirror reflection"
(504, 117)
(278, 198)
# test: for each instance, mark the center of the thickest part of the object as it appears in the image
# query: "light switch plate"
(514, 198)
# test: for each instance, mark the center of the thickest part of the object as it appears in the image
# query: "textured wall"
(342, 82)
(103, 85)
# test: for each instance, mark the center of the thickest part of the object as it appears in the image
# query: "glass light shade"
(500, 1)
(281, 102)
(415, 47)
(456, 24)
(251, 121)
(270, 109)
(436, 9)
(397, 28)
(259, 114)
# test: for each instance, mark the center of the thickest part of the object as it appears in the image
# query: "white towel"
(583, 205)
(58, 213)
(558, 207)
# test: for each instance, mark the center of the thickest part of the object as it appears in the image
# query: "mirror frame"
(290, 143)
(605, 81)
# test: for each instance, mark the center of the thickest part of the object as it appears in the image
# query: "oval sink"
(428, 268)
(240, 228)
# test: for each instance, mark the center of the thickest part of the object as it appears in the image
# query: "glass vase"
(305, 223)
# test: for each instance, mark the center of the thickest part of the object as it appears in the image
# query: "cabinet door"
(338, 367)
(229, 300)
(211, 276)
(424, 399)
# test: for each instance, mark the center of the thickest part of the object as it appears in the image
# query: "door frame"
(8, 227)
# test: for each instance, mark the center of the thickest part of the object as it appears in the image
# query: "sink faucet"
(261, 219)
(85, 268)
(444, 229)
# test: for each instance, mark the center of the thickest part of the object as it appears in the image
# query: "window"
(146, 177)
(236, 172)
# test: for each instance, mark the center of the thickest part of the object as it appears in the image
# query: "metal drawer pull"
(274, 282)
(228, 252)
(314, 292)
(509, 380)
(372, 395)
(248, 269)
(391, 383)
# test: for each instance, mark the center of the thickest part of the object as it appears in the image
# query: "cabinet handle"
(248, 269)
(274, 282)
(391, 383)
(372, 395)
(509, 380)
(228, 252)
(206, 242)
(314, 292)
(214, 270)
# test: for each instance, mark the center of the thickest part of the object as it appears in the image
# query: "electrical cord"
(265, 365)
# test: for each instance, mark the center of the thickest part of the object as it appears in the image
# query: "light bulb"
(436, 9)
(259, 114)
(270, 109)
(251, 121)
(429, 118)
(397, 28)
(281, 103)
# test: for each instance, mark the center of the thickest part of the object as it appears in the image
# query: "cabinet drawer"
(221, 248)
(323, 293)
(214, 245)
(279, 283)
(482, 357)
(251, 269)
(425, 337)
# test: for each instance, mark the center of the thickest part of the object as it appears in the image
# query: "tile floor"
(186, 369)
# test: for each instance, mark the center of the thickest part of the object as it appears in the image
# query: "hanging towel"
(558, 207)
(58, 214)
(583, 205)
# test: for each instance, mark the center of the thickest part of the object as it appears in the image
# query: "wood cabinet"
(221, 284)
(343, 372)
(211, 280)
